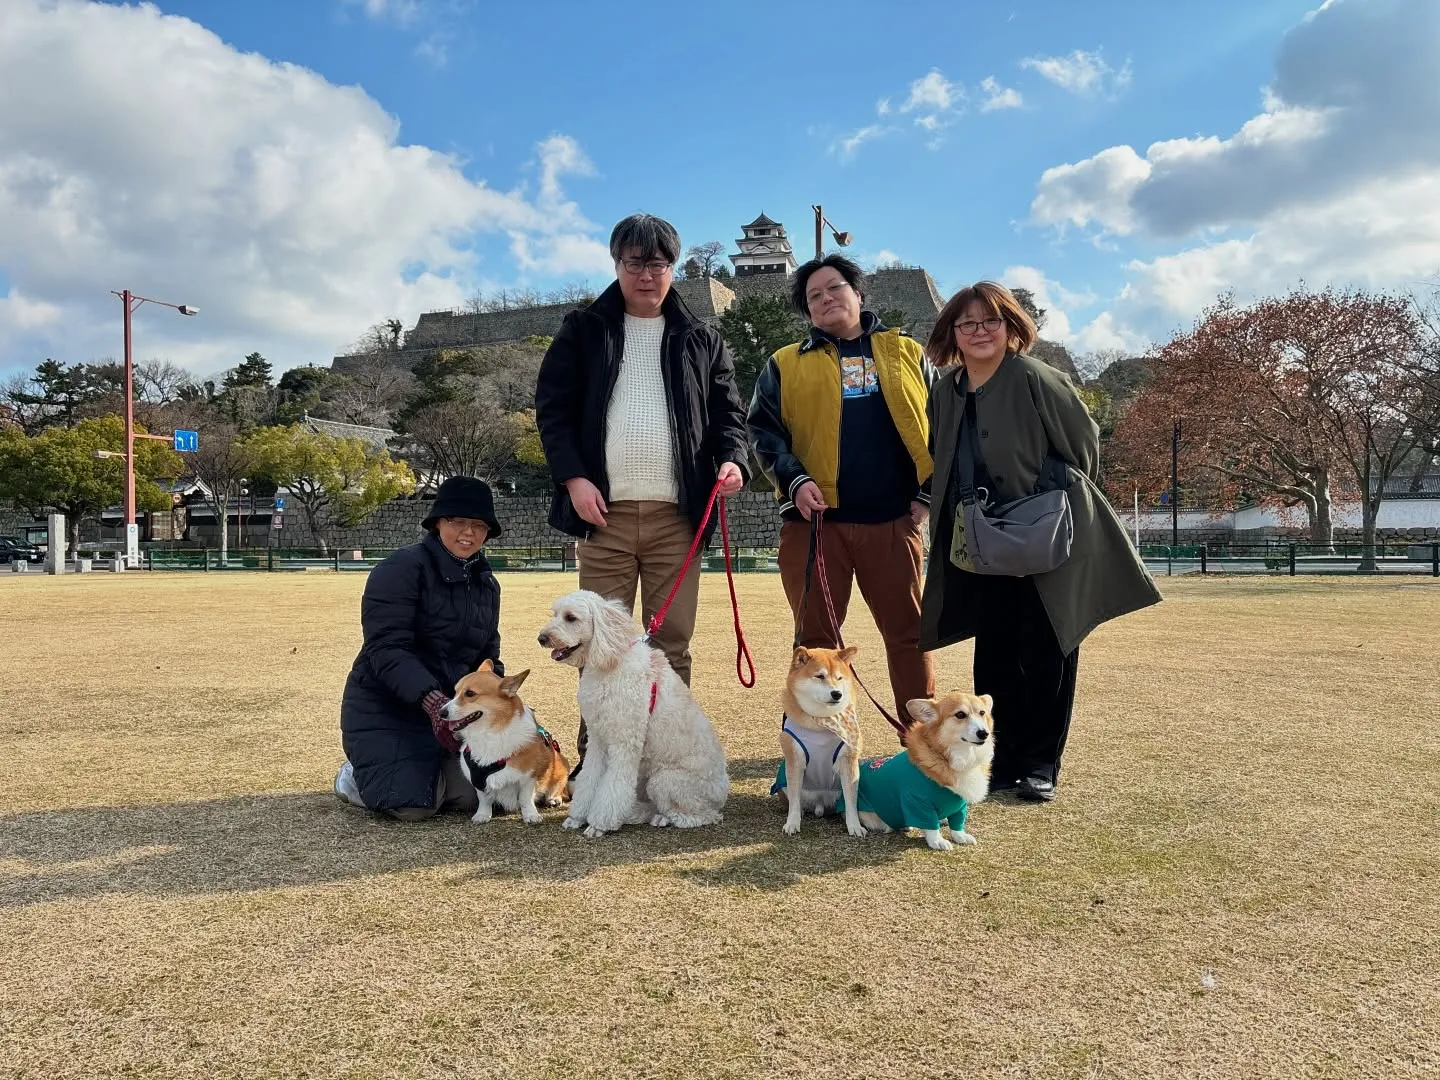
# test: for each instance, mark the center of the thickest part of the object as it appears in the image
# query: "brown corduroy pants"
(885, 560)
(644, 545)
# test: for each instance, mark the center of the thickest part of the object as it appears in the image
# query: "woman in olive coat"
(1027, 630)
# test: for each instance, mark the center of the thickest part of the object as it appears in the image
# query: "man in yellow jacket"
(838, 423)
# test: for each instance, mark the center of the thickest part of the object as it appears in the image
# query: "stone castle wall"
(753, 517)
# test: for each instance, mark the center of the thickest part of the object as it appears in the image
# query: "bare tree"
(707, 257)
(160, 382)
(373, 391)
(471, 437)
(218, 466)
(572, 292)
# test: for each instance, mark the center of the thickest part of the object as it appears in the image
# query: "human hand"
(919, 513)
(589, 503)
(808, 499)
(433, 703)
(731, 479)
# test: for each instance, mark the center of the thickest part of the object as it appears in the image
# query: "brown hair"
(1020, 328)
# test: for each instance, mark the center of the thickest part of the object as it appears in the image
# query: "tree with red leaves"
(1298, 400)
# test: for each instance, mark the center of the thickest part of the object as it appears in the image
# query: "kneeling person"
(430, 616)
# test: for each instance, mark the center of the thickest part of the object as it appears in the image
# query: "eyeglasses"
(636, 267)
(811, 298)
(971, 327)
(465, 524)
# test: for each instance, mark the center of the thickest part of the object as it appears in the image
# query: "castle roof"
(760, 222)
(376, 437)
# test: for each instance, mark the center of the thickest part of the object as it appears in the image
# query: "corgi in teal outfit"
(943, 771)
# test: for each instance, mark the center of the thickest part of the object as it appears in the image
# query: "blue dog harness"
(821, 749)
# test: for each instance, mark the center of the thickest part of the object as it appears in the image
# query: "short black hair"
(648, 236)
(847, 268)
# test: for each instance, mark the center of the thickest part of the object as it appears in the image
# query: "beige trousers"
(644, 544)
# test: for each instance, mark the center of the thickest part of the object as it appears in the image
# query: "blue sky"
(301, 170)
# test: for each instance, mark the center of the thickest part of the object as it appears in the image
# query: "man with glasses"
(639, 417)
(838, 423)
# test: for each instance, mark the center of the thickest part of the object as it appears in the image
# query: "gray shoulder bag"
(1016, 539)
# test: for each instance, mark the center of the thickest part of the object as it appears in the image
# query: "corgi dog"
(942, 772)
(819, 738)
(508, 757)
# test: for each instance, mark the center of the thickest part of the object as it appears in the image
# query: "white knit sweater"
(639, 453)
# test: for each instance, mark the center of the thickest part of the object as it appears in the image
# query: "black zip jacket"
(428, 620)
(578, 376)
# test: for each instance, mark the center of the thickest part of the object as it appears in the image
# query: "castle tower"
(764, 249)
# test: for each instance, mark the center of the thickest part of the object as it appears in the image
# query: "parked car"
(13, 549)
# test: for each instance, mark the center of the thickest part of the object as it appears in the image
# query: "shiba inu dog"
(509, 758)
(942, 772)
(820, 738)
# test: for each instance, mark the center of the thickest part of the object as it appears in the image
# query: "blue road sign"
(1164, 498)
(279, 502)
(187, 441)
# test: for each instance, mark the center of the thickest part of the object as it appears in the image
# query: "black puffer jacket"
(428, 619)
(572, 399)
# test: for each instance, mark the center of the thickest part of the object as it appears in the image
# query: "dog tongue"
(558, 654)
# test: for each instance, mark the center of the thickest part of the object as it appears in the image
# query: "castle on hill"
(762, 267)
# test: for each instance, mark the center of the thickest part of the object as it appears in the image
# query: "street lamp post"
(841, 238)
(131, 302)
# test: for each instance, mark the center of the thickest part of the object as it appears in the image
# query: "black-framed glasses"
(636, 267)
(833, 289)
(971, 327)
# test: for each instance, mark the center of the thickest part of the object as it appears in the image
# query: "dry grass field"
(1238, 880)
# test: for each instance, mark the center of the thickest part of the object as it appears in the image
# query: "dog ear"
(802, 657)
(612, 630)
(922, 709)
(849, 653)
(510, 684)
(989, 702)
(486, 665)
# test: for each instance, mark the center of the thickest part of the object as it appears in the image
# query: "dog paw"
(939, 843)
(857, 830)
(791, 828)
(592, 833)
(481, 816)
(532, 819)
(573, 823)
(963, 838)
(660, 821)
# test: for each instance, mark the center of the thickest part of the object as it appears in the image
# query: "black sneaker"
(1003, 786)
(1036, 789)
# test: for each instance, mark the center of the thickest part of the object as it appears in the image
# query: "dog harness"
(480, 774)
(821, 748)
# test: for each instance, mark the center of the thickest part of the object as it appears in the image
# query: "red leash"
(742, 648)
(819, 518)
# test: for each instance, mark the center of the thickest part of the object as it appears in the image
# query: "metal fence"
(1292, 559)
(277, 560)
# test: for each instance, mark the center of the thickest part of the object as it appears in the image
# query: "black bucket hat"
(463, 497)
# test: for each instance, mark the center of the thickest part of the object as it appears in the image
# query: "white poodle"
(653, 755)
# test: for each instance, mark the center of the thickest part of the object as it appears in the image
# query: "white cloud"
(435, 51)
(847, 145)
(999, 97)
(935, 101)
(163, 160)
(1081, 72)
(933, 93)
(1335, 180)
(403, 12)
(18, 313)
(882, 107)
(1056, 299)
(1105, 332)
